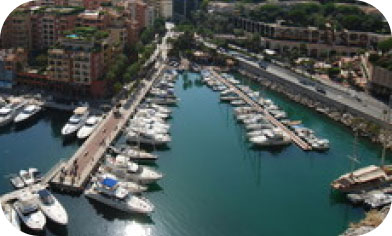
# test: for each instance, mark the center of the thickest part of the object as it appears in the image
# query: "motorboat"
(51, 207)
(11, 215)
(28, 112)
(153, 113)
(148, 121)
(130, 186)
(148, 138)
(237, 102)
(28, 211)
(134, 153)
(8, 113)
(140, 127)
(77, 120)
(259, 125)
(88, 128)
(320, 144)
(130, 171)
(108, 192)
(274, 137)
(27, 178)
(17, 182)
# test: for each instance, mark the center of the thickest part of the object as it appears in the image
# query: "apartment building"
(49, 24)
(162, 8)
(280, 37)
(11, 61)
(93, 18)
(77, 65)
(16, 31)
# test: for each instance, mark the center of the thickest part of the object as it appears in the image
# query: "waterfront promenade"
(75, 174)
(297, 140)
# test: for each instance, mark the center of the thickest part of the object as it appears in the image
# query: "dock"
(44, 183)
(297, 140)
(75, 174)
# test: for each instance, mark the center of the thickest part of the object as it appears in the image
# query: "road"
(348, 97)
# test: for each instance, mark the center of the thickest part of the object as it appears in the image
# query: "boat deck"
(297, 140)
(74, 176)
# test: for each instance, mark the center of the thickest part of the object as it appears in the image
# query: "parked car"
(321, 90)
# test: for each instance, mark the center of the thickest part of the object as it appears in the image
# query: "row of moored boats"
(124, 174)
(259, 130)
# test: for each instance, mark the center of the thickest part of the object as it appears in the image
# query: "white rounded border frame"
(384, 6)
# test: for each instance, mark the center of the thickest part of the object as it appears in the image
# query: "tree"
(117, 87)
(333, 72)
(385, 46)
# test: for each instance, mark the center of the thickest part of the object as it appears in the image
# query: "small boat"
(108, 192)
(11, 215)
(134, 153)
(27, 113)
(28, 211)
(89, 127)
(52, 208)
(17, 182)
(237, 102)
(274, 137)
(77, 120)
(150, 138)
(27, 178)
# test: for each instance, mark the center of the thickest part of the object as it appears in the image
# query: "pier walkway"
(75, 174)
(11, 196)
(297, 140)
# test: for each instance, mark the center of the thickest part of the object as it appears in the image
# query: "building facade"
(280, 37)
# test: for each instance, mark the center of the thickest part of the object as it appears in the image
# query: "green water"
(214, 183)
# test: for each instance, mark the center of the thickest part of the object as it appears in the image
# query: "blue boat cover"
(43, 193)
(108, 182)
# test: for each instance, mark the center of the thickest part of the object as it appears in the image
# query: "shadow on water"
(274, 150)
(111, 214)
(155, 187)
(5, 130)
(56, 229)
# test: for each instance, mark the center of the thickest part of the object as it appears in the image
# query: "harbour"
(256, 175)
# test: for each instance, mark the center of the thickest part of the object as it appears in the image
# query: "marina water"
(215, 183)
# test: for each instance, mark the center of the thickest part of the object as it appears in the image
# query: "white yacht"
(28, 211)
(77, 120)
(134, 153)
(6, 116)
(28, 112)
(11, 215)
(123, 168)
(130, 186)
(17, 182)
(150, 138)
(160, 109)
(89, 127)
(108, 192)
(52, 208)
(27, 178)
(274, 137)
(151, 122)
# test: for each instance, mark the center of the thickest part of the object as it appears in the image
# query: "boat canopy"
(109, 182)
(46, 196)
